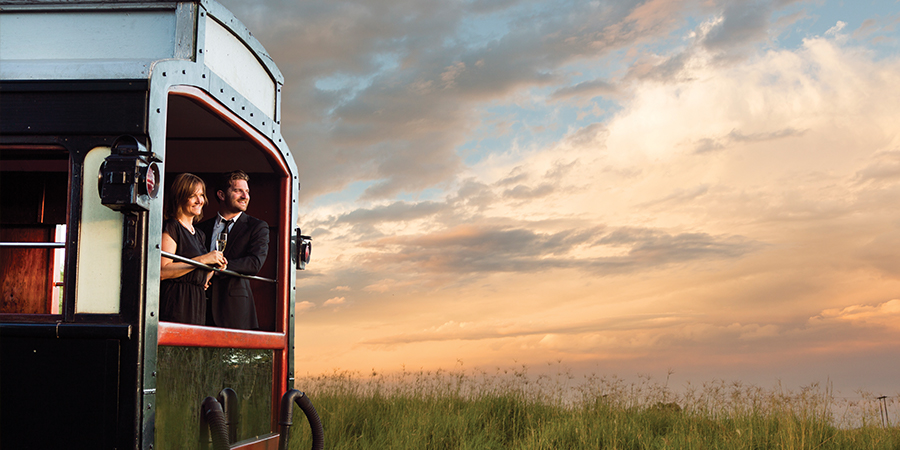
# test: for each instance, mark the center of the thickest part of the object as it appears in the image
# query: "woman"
(181, 297)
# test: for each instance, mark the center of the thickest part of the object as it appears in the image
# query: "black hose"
(212, 421)
(229, 401)
(287, 412)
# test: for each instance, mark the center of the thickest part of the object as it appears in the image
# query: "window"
(34, 185)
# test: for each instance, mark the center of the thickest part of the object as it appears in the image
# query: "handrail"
(214, 269)
(166, 254)
(33, 244)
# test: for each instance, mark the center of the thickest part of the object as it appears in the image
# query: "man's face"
(235, 199)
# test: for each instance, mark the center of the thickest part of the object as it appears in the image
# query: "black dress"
(183, 299)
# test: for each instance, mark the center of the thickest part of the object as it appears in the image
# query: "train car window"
(34, 183)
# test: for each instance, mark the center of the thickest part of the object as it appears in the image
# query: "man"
(231, 301)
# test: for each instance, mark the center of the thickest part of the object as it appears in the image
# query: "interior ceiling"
(199, 141)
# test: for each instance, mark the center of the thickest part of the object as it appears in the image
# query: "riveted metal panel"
(98, 44)
(230, 59)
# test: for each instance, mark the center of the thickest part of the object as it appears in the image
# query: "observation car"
(102, 103)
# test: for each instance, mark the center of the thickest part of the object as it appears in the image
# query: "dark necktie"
(223, 235)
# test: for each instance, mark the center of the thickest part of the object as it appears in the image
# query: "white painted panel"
(79, 69)
(100, 35)
(231, 60)
(98, 286)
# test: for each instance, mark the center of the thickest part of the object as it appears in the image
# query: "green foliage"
(503, 410)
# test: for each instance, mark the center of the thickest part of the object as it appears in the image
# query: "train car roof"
(125, 39)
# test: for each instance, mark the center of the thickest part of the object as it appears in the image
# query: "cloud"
(658, 332)
(393, 212)
(388, 285)
(679, 196)
(741, 23)
(881, 316)
(393, 107)
(304, 306)
(655, 68)
(737, 137)
(475, 331)
(836, 28)
(523, 192)
(482, 250)
(585, 89)
(884, 170)
(611, 182)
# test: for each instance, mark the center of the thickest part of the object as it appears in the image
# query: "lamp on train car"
(129, 177)
(301, 250)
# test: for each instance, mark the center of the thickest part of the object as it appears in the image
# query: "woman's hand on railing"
(213, 258)
(198, 264)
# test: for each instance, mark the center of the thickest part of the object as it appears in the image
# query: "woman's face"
(193, 206)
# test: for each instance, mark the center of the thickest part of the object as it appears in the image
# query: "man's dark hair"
(226, 178)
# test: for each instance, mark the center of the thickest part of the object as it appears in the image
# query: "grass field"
(514, 410)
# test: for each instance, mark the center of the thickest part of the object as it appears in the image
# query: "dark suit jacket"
(231, 299)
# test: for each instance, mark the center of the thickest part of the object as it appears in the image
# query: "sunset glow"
(708, 187)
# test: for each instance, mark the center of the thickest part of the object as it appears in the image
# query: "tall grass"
(514, 410)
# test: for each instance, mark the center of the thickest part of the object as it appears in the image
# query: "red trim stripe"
(184, 335)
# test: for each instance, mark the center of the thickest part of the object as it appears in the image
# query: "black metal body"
(95, 359)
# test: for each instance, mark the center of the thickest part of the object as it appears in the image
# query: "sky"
(703, 187)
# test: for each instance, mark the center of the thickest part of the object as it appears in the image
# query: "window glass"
(187, 375)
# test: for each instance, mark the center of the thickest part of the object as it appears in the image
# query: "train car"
(102, 104)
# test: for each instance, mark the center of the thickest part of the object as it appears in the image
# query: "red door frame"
(176, 334)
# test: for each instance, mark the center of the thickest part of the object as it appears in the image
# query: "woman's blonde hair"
(181, 190)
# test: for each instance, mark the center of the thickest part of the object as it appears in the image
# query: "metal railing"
(33, 244)
(207, 267)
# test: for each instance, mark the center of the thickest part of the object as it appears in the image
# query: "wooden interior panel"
(25, 273)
